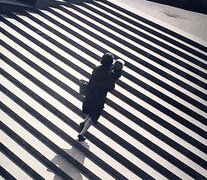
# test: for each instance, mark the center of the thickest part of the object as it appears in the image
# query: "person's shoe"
(81, 126)
(81, 138)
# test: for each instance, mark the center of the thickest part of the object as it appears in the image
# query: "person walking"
(100, 83)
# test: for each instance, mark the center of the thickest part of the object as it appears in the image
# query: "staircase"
(154, 122)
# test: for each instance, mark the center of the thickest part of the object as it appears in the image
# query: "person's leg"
(81, 125)
(88, 123)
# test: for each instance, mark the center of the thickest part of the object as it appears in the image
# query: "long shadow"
(199, 6)
(67, 166)
(57, 131)
(40, 136)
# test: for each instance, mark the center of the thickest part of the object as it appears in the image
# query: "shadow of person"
(66, 166)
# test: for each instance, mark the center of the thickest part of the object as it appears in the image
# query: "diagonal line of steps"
(171, 101)
(168, 113)
(36, 81)
(19, 162)
(168, 31)
(121, 100)
(162, 108)
(44, 74)
(29, 148)
(42, 71)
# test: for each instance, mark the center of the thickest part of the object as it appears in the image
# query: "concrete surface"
(191, 22)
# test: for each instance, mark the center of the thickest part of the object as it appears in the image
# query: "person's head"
(119, 64)
(107, 59)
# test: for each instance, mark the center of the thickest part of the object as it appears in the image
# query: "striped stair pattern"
(154, 123)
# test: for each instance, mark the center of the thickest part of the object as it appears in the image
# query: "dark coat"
(100, 83)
